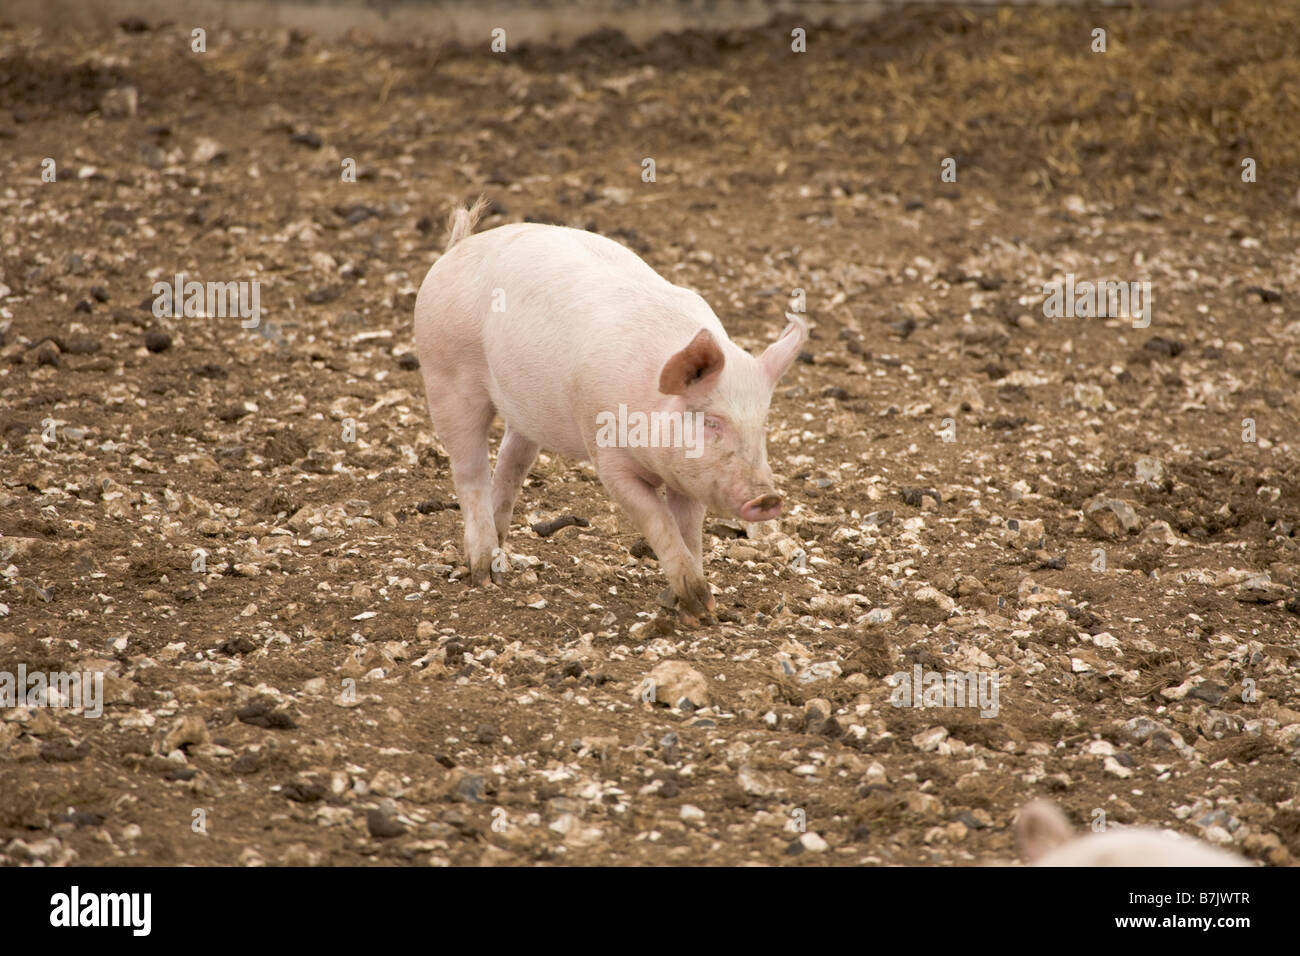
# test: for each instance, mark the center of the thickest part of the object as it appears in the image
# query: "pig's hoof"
(692, 603)
(490, 569)
(500, 565)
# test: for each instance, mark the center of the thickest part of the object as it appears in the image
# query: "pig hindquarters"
(559, 331)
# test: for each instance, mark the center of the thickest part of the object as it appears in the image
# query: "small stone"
(756, 782)
(1089, 396)
(124, 101)
(189, 731)
(1210, 692)
(1159, 532)
(929, 740)
(1149, 469)
(673, 682)
(933, 597)
(264, 713)
(1111, 765)
(18, 548)
(207, 150)
(1025, 534)
(382, 826)
(323, 295)
(157, 341)
(466, 787)
(914, 496)
(813, 843)
(1111, 516)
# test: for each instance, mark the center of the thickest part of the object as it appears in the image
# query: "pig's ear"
(1042, 827)
(696, 365)
(780, 355)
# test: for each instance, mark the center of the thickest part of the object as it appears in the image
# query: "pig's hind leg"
(463, 425)
(514, 459)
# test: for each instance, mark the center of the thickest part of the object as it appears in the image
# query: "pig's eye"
(713, 424)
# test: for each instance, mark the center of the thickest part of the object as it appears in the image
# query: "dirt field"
(1090, 525)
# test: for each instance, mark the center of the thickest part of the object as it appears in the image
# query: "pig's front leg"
(655, 520)
(689, 515)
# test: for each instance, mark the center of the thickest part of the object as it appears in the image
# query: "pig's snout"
(763, 508)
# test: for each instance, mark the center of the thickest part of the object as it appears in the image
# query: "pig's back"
(1138, 846)
(582, 325)
(551, 280)
(579, 276)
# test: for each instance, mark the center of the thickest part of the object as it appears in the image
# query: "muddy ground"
(1093, 524)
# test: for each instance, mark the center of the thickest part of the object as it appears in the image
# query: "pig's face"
(728, 394)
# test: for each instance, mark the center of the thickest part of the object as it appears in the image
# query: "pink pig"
(1046, 839)
(559, 331)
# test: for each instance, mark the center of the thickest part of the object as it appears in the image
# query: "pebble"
(813, 843)
(1112, 517)
(673, 682)
(382, 826)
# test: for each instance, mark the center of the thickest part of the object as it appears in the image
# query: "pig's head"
(1041, 828)
(727, 391)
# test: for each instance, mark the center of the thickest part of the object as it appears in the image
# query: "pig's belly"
(536, 407)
